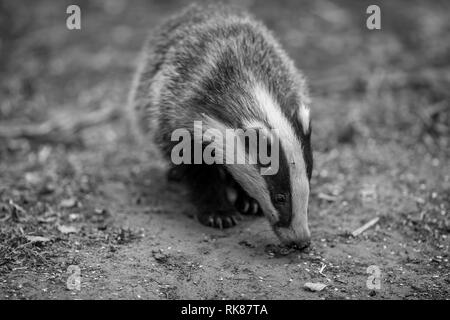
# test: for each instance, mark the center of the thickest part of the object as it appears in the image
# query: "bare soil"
(100, 202)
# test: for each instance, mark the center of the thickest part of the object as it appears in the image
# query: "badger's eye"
(280, 198)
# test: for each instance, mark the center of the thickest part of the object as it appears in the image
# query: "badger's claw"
(248, 206)
(219, 220)
(231, 195)
(254, 207)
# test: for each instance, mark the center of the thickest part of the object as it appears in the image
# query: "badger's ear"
(302, 118)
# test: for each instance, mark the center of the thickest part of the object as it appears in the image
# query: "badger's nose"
(304, 241)
(289, 237)
(302, 244)
(299, 243)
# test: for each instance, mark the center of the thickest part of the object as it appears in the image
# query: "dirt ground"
(97, 201)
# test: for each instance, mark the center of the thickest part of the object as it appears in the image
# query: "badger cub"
(218, 66)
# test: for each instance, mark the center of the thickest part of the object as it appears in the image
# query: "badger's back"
(210, 61)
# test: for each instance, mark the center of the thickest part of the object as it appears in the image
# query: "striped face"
(283, 196)
(289, 187)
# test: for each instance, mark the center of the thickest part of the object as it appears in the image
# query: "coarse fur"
(218, 65)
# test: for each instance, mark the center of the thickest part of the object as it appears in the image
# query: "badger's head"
(288, 189)
(282, 196)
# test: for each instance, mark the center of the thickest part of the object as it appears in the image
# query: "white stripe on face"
(246, 175)
(303, 117)
(297, 167)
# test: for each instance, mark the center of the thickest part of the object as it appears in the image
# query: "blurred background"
(389, 84)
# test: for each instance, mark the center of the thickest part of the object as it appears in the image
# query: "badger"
(218, 65)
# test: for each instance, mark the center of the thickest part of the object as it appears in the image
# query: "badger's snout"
(290, 236)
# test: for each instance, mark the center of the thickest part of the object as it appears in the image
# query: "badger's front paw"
(219, 219)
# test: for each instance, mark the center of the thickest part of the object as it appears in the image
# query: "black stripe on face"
(280, 190)
(305, 140)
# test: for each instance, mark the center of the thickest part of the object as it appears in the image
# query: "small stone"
(317, 286)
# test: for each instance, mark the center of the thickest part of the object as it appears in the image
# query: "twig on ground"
(322, 268)
(327, 197)
(366, 226)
